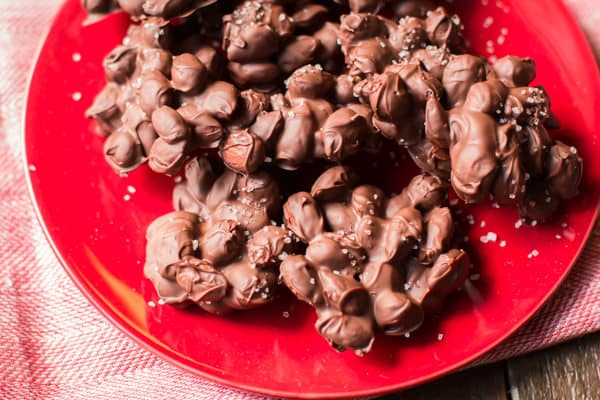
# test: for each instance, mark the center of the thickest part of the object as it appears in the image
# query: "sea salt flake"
(502, 243)
(440, 336)
(76, 57)
(286, 314)
(127, 197)
(77, 96)
(130, 189)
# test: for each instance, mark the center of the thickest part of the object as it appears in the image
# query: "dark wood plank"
(568, 371)
(481, 383)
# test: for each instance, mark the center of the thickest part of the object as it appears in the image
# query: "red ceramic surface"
(99, 235)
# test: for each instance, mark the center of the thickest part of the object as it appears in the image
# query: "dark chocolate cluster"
(269, 86)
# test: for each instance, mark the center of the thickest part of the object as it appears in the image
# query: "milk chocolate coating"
(330, 55)
(155, 91)
(565, 170)
(105, 110)
(258, 75)
(408, 34)
(356, 27)
(514, 71)
(168, 8)
(300, 51)
(461, 72)
(333, 184)
(119, 64)
(206, 130)
(443, 29)
(393, 310)
(220, 100)
(169, 125)
(310, 82)
(390, 102)
(341, 135)
(369, 56)
(167, 158)
(153, 59)
(296, 141)
(472, 152)
(243, 151)
(254, 31)
(123, 151)
(310, 16)
(137, 121)
(428, 287)
(188, 74)
(302, 216)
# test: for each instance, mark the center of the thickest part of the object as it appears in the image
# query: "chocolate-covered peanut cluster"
(219, 249)
(273, 85)
(371, 261)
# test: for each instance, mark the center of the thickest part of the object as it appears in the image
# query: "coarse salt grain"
(127, 197)
(534, 253)
(440, 336)
(558, 236)
(32, 168)
(151, 304)
(502, 243)
(518, 224)
(488, 22)
(76, 57)
(130, 189)
(482, 224)
(76, 96)
(286, 314)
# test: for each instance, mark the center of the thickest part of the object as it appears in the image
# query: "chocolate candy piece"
(565, 170)
(123, 151)
(206, 130)
(188, 74)
(514, 71)
(220, 100)
(461, 72)
(472, 154)
(105, 110)
(258, 75)
(428, 287)
(254, 31)
(119, 64)
(300, 51)
(310, 82)
(155, 91)
(169, 125)
(442, 28)
(243, 151)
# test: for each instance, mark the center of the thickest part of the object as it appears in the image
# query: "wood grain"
(568, 371)
(481, 383)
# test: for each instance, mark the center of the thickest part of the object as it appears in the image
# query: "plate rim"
(89, 293)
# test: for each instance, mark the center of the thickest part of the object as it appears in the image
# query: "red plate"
(98, 234)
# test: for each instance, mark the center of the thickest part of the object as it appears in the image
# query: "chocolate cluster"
(270, 86)
(371, 261)
(219, 249)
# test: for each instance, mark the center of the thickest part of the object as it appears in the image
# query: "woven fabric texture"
(55, 345)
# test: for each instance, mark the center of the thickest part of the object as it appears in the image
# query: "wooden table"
(564, 372)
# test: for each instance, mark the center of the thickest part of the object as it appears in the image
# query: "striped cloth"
(72, 352)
